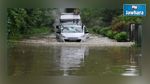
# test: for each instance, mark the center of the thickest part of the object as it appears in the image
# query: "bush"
(103, 31)
(121, 37)
(96, 29)
(120, 22)
(119, 26)
(114, 33)
(110, 34)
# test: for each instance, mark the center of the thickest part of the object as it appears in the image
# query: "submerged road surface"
(93, 40)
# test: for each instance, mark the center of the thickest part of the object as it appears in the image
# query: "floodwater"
(25, 60)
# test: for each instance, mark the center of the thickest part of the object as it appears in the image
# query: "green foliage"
(104, 30)
(96, 29)
(121, 22)
(21, 20)
(98, 17)
(128, 19)
(108, 22)
(115, 32)
(110, 34)
(99, 31)
(118, 25)
(122, 36)
(40, 30)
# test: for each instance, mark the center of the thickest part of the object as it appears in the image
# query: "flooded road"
(25, 60)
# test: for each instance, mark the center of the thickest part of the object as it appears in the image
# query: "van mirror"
(57, 26)
(82, 25)
(86, 32)
(58, 32)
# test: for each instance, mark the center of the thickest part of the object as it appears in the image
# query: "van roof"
(70, 16)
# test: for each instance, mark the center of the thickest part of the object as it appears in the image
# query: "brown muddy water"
(26, 60)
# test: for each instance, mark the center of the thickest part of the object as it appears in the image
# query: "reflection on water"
(38, 60)
(131, 71)
(71, 57)
(134, 64)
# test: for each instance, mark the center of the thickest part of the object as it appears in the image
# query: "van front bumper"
(72, 39)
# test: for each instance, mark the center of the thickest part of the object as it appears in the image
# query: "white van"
(71, 32)
(70, 28)
(70, 17)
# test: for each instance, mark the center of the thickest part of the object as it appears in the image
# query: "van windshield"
(70, 21)
(71, 29)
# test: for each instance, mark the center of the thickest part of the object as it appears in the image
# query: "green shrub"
(96, 29)
(103, 31)
(121, 37)
(120, 22)
(114, 33)
(110, 34)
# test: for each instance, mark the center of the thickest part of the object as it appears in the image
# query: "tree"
(98, 17)
(120, 22)
(22, 20)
